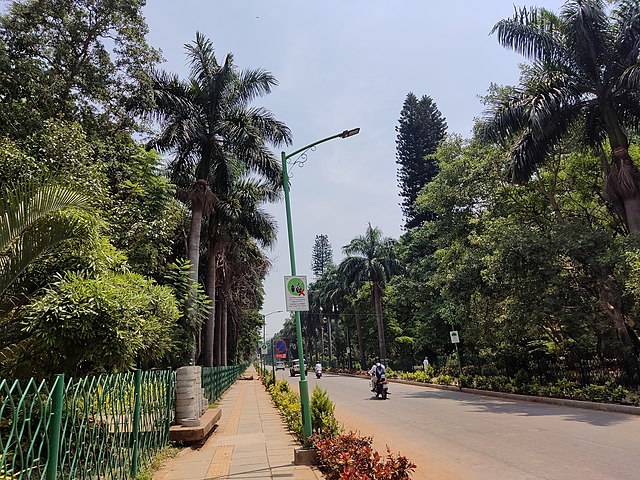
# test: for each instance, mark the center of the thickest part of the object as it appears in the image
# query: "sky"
(342, 64)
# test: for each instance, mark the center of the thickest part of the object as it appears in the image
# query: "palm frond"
(536, 142)
(532, 33)
(626, 17)
(202, 58)
(22, 207)
(32, 221)
(587, 34)
(254, 83)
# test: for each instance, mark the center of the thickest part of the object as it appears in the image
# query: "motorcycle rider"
(318, 367)
(376, 372)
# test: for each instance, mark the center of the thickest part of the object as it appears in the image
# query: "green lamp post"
(303, 386)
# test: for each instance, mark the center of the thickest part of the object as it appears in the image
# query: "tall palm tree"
(371, 258)
(208, 124)
(332, 291)
(239, 220)
(584, 77)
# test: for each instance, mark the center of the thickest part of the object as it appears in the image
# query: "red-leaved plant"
(350, 457)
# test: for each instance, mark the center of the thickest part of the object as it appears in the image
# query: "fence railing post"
(53, 432)
(169, 397)
(136, 422)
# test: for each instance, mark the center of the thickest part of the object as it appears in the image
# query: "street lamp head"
(350, 133)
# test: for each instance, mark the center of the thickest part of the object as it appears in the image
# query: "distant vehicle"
(295, 368)
(279, 365)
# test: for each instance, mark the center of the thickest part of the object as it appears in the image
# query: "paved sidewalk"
(250, 442)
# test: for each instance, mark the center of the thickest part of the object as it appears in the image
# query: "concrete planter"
(305, 456)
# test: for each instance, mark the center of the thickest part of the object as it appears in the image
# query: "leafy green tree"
(145, 219)
(321, 255)
(208, 124)
(584, 78)
(371, 258)
(78, 59)
(420, 130)
(528, 273)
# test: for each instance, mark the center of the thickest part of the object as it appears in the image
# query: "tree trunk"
(612, 305)
(194, 260)
(622, 187)
(211, 293)
(193, 244)
(377, 302)
(223, 332)
(218, 335)
(361, 354)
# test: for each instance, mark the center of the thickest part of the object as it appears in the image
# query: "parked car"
(279, 365)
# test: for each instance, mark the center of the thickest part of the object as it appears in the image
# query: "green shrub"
(268, 379)
(418, 375)
(106, 324)
(444, 380)
(322, 418)
(501, 383)
(562, 388)
(288, 402)
(466, 381)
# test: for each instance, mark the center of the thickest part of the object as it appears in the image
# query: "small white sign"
(454, 336)
(296, 295)
(263, 350)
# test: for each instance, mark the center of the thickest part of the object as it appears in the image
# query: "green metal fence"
(216, 380)
(105, 427)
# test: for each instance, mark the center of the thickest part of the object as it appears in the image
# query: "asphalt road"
(453, 435)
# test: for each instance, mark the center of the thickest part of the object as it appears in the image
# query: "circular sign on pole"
(296, 296)
(281, 346)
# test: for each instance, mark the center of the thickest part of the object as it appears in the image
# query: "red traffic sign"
(281, 355)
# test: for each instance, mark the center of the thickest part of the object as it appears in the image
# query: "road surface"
(458, 436)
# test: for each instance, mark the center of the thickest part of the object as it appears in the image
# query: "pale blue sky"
(343, 64)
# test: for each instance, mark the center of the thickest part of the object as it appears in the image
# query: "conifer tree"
(421, 128)
(321, 256)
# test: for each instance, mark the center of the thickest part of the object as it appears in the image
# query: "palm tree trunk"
(223, 333)
(377, 302)
(211, 293)
(363, 362)
(622, 188)
(193, 244)
(218, 335)
(194, 259)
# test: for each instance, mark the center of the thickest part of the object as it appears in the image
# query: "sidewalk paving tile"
(250, 442)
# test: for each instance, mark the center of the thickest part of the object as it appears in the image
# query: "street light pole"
(303, 385)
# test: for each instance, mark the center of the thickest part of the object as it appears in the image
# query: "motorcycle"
(318, 373)
(382, 387)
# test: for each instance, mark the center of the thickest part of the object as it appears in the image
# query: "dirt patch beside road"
(429, 466)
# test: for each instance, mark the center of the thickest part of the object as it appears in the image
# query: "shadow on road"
(522, 407)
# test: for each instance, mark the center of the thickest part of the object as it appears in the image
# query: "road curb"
(605, 407)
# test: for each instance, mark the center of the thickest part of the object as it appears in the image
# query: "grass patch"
(157, 461)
